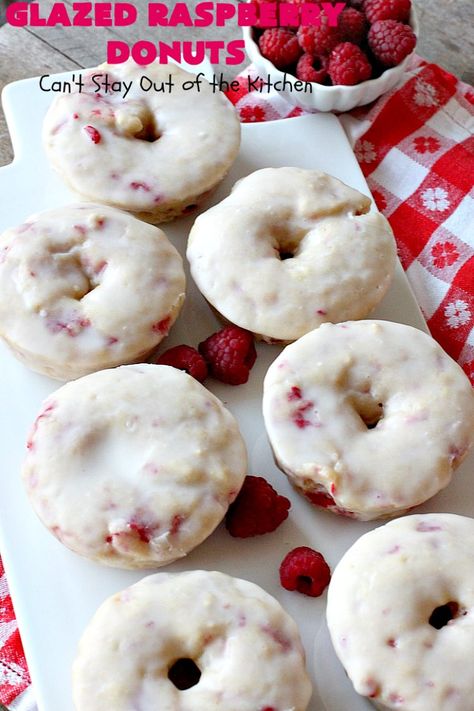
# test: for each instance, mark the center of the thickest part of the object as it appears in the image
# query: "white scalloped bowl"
(328, 98)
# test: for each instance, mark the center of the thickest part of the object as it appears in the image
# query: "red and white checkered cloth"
(415, 146)
(14, 677)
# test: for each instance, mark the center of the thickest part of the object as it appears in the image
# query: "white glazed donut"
(86, 287)
(133, 466)
(290, 249)
(400, 613)
(154, 153)
(368, 418)
(245, 646)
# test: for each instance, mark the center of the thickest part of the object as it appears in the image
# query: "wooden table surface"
(446, 37)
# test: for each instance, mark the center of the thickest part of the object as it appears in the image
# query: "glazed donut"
(196, 641)
(368, 418)
(154, 153)
(86, 287)
(290, 249)
(133, 466)
(399, 612)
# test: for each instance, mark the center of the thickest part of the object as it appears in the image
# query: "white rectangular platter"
(54, 591)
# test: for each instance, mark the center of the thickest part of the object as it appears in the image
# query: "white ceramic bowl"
(327, 98)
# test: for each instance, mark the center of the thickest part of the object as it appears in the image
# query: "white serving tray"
(54, 591)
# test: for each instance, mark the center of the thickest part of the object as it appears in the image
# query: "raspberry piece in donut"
(134, 466)
(258, 509)
(230, 354)
(93, 134)
(305, 570)
(294, 258)
(399, 613)
(155, 153)
(196, 640)
(349, 408)
(75, 278)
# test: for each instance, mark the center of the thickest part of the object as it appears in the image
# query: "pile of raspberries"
(370, 36)
(228, 355)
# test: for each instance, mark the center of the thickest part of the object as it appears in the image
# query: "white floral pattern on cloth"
(457, 313)
(365, 152)
(425, 94)
(9, 674)
(435, 199)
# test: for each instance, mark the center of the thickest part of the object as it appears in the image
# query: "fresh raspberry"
(348, 65)
(93, 134)
(387, 10)
(187, 359)
(305, 570)
(319, 40)
(353, 26)
(230, 354)
(280, 46)
(258, 509)
(311, 68)
(391, 41)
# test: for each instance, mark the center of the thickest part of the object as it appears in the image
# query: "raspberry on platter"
(305, 570)
(230, 354)
(185, 358)
(258, 509)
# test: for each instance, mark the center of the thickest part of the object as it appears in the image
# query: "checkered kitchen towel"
(14, 677)
(415, 146)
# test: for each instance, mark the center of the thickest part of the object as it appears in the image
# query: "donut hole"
(443, 614)
(285, 249)
(69, 267)
(287, 240)
(184, 673)
(369, 409)
(150, 131)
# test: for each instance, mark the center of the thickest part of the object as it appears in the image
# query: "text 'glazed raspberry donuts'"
(195, 641)
(400, 613)
(155, 153)
(133, 466)
(368, 418)
(86, 287)
(290, 249)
